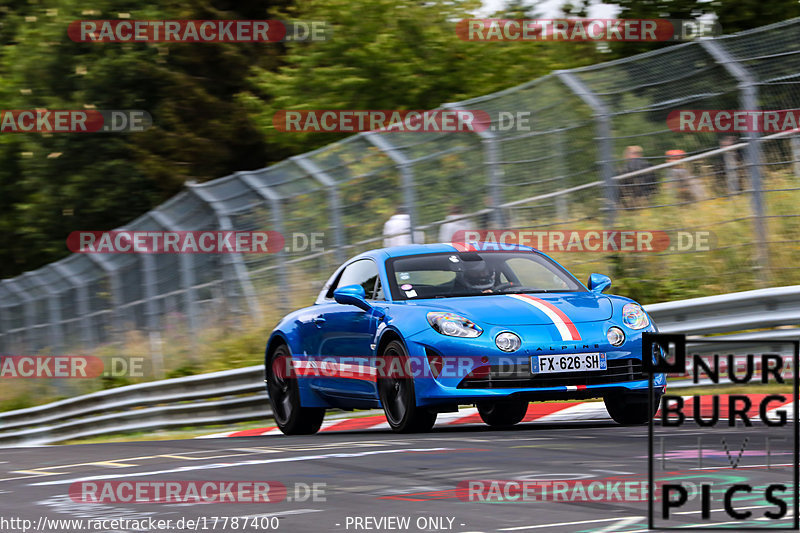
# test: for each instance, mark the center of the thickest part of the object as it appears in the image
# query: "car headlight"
(453, 325)
(615, 336)
(508, 342)
(634, 316)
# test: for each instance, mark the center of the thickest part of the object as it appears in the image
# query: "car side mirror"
(352, 295)
(599, 283)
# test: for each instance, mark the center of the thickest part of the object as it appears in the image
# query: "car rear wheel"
(502, 413)
(631, 409)
(284, 393)
(396, 391)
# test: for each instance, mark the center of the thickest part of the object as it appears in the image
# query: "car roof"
(445, 247)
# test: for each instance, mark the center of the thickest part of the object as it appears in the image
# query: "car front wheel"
(631, 409)
(502, 413)
(396, 391)
(284, 393)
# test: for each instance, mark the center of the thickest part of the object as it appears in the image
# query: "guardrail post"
(602, 117)
(334, 202)
(406, 173)
(748, 99)
(234, 259)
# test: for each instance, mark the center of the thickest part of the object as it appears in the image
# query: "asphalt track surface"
(374, 475)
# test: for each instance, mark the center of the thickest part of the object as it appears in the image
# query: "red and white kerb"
(562, 322)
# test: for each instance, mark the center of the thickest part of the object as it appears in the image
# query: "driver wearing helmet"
(478, 276)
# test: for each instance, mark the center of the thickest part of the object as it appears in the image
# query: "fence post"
(748, 99)
(28, 311)
(274, 200)
(116, 291)
(87, 338)
(494, 171)
(602, 116)
(186, 274)
(562, 206)
(334, 202)
(4, 346)
(53, 312)
(406, 173)
(234, 259)
(794, 142)
(494, 174)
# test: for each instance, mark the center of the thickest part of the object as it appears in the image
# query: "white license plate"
(573, 362)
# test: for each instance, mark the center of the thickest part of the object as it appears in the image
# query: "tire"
(502, 413)
(396, 392)
(631, 409)
(284, 394)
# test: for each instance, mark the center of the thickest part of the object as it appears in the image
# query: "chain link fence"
(595, 156)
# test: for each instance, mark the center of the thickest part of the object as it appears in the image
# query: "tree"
(57, 183)
(395, 54)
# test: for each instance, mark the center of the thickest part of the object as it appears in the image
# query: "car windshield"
(446, 275)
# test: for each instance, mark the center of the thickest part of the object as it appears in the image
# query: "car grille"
(519, 376)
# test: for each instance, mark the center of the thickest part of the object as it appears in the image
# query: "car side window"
(363, 272)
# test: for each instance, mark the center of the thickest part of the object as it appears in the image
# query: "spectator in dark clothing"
(636, 189)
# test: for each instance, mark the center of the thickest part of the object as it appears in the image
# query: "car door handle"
(318, 321)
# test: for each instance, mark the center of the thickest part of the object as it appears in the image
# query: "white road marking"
(624, 522)
(773, 465)
(283, 513)
(556, 524)
(240, 464)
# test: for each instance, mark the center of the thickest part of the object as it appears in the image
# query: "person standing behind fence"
(688, 188)
(397, 230)
(449, 228)
(634, 189)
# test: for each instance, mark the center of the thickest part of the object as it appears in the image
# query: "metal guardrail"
(738, 311)
(239, 395)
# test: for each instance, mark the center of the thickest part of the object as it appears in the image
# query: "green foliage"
(57, 183)
(395, 54)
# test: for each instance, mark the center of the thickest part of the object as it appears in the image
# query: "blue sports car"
(421, 329)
